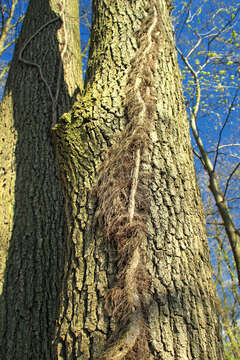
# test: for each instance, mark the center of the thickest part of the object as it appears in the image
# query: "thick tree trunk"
(133, 95)
(43, 82)
(66, 294)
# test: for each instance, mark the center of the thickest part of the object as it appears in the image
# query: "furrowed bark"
(178, 305)
(31, 200)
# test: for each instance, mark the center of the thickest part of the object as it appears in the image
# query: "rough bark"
(55, 303)
(43, 82)
(180, 311)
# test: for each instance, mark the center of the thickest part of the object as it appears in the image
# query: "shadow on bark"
(37, 255)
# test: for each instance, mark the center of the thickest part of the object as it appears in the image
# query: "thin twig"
(230, 176)
(222, 128)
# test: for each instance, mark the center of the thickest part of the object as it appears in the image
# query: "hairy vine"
(123, 208)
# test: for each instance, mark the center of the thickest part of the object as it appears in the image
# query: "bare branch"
(227, 145)
(8, 45)
(194, 48)
(230, 176)
(86, 48)
(13, 26)
(4, 72)
(186, 19)
(220, 200)
(7, 25)
(222, 128)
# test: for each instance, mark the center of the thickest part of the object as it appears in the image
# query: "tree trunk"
(139, 282)
(40, 87)
(133, 268)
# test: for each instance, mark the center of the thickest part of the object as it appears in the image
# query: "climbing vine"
(122, 191)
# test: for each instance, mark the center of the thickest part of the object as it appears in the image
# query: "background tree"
(11, 17)
(133, 88)
(12, 14)
(42, 84)
(208, 42)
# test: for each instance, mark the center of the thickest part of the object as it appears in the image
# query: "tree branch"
(219, 197)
